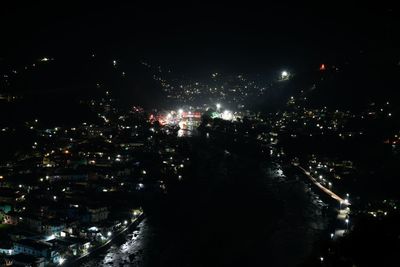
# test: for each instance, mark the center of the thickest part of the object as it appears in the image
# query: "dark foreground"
(236, 209)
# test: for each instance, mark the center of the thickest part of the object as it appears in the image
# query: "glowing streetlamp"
(284, 75)
(347, 223)
(218, 106)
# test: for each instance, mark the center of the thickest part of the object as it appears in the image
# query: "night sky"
(196, 40)
(232, 35)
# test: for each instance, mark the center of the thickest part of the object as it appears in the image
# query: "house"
(32, 222)
(37, 249)
(6, 247)
(52, 227)
(66, 248)
(5, 207)
(26, 260)
(11, 218)
(9, 195)
(98, 214)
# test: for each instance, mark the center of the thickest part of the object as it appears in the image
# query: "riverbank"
(102, 247)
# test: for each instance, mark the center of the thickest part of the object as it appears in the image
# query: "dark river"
(287, 242)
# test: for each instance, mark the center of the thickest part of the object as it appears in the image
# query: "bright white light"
(227, 115)
(218, 106)
(109, 234)
(125, 222)
(347, 221)
(140, 186)
(180, 111)
(284, 75)
(61, 261)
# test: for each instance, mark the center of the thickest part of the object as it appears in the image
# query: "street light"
(284, 75)
(332, 235)
(218, 106)
(109, 234)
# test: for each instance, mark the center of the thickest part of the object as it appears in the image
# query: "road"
(323, 188)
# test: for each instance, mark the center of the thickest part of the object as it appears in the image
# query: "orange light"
(322, 67)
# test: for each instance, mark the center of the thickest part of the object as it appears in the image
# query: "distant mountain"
(81, 76)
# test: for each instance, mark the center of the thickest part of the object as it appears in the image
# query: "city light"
(109, 234)
(284, 75)
(218, 106)
(227, 115)
(61, 261)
